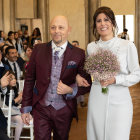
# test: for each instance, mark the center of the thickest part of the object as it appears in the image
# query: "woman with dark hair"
(36, 36)
(18, 43)
(28, 52)
(16, 100)
(110, 115)
(10, 40)
(4, 59)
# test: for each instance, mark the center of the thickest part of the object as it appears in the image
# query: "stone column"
(86, 23)
(1, 14)
(6, 16)
(12, 15)
(137, 27)
(43, 13)
(93, 5)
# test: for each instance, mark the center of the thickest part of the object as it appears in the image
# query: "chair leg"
(31, 133)
(12, 132)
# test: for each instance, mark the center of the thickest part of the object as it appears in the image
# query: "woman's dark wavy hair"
(109, 13)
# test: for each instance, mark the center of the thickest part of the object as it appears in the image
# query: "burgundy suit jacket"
(39, 71)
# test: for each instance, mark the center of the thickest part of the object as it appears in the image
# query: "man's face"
(59, 30)
(12, 55)
(20, 34)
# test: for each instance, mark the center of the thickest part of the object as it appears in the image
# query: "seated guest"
(17, 98)
(28, 52)
(35, 37)
(18, 43)
(10, 40)
(3, 48)
(4, 81)
(3, 67)
(14, 62)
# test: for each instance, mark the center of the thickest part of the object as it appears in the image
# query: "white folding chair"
(7, 112)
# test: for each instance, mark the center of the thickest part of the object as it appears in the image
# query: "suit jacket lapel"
(49, 55)
(8, 65)
(67, 56)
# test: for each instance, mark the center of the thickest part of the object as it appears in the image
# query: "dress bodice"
(126, 53)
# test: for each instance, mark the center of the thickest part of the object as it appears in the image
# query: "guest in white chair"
(16, 100)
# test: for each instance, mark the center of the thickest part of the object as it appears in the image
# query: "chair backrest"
(7, 111)
(21, 85)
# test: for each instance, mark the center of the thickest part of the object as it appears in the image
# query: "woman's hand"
(5, 80)
(82, 82)
(105, 83)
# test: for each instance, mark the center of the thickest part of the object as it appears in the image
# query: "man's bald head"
(59, 30)
(60, 18)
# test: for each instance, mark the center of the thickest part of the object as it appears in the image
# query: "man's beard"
(58, 42)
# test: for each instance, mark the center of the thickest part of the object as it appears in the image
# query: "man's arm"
(26, 107)
(86, 77)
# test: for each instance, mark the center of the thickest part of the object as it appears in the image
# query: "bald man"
(50, 88)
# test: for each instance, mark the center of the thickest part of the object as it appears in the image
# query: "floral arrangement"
(102, 65)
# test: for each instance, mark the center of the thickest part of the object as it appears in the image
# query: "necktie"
(15, 70)
(56, 53)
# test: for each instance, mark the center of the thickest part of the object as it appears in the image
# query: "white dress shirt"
(17, 67)
(59, 48)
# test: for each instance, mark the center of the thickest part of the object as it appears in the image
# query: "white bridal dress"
(110, 115)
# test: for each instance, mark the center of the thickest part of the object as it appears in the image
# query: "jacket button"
(48, 78)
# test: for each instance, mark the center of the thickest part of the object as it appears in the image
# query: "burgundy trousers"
(47, 119)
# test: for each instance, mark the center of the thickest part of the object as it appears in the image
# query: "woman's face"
(11, 36)
(12, 82)
(104, 27)
(28, 52)
(35, 32)
(16, 35)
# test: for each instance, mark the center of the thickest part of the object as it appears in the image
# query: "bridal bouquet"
(102, 65)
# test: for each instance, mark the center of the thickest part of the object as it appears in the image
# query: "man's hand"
(81, 82)
(63, 89)
(5, 80)
(26, 117)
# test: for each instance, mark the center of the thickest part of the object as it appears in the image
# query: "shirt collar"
(54, 47)
(11, 63)
(62, 50)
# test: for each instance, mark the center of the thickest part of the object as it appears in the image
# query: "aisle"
(78, 130)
